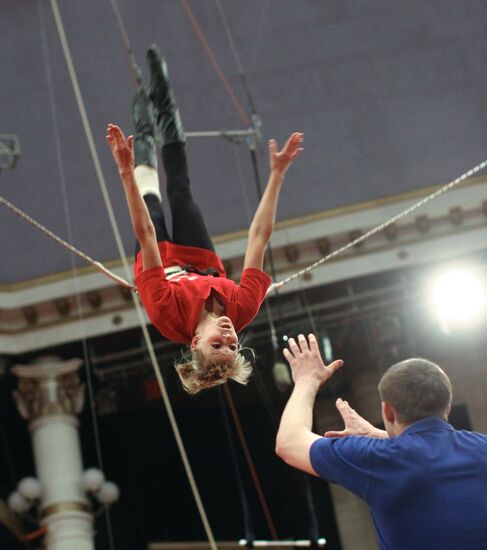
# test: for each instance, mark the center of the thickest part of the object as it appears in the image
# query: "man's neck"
(399, 427)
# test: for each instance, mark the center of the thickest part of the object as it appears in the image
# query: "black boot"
(167, 115)
(144, 142)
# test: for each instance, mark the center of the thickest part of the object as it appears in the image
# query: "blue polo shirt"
(426, 488)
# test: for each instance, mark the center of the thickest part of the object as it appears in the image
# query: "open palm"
(281, 160)
(121, 147)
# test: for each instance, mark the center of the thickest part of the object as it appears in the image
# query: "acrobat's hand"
(122, 148)
(281, 160)
(306, 363)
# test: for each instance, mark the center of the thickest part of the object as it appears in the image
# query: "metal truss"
(9, 151)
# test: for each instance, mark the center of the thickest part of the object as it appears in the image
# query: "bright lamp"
(459, 297)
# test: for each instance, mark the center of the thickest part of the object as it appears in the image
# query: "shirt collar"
(426, 424)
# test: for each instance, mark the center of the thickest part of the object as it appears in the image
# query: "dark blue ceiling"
(391, 97)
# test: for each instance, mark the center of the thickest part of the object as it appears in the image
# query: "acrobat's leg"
(145, 161)
(188, 225)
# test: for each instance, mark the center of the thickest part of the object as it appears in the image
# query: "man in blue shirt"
(424, 482)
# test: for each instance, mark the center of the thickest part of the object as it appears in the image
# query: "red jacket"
(174, 305)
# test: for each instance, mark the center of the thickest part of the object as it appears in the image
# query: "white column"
(49, 396)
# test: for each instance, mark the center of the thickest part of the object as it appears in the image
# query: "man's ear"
(194, 342)
(388, 412)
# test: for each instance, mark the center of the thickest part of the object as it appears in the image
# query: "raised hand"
(305, 360)
(122, 148)
(281, 160)
(354, 423)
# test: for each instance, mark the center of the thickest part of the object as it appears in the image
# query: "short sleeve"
(154, 291)
(344, 461)
(161, 303)
(251, 293)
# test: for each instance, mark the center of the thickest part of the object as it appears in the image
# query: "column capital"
(49, 386)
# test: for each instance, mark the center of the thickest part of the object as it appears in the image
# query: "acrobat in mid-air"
(180, 279)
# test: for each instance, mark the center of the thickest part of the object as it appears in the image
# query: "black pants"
(188, 226)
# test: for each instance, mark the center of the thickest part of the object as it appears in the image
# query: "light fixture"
(324, 246)
(108, 493)
(17, 503)
(327, 348)
(26, 496)
(99, 489)
(291, 252)
(30, 488)
(63, 306)
(95, 299)
(92, 479)
(456, 215)
(31, 315)
(282, 376)
(25, 500)
(391, 232)
(459, 297)
(423, 223)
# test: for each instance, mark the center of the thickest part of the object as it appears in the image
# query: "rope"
(150, 347)
(379, 227)
(313, 522)
(200, 34)
(244, 502)
(88, 132)
(97, 265)
(62, 178)
(240, 110)
(250, 462)
(275, 286)
(132, 63)
(236, 57)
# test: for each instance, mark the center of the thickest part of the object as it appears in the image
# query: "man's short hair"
(416, 388)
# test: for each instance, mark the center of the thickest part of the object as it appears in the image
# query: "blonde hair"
(197, 375)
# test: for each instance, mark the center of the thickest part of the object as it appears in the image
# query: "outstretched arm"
(294, 438)
(354, 423)
(263, 223)
(123, 153)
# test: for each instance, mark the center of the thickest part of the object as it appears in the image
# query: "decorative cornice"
(32, 318)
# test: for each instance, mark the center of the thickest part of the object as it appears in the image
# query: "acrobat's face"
(216, 340)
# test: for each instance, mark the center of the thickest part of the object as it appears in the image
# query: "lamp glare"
(459, 298)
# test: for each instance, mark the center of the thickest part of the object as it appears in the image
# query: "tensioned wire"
(132, 63)
(200, 33)
(276, 285)
(148, 342)
(67, 216)
(313, 530)
(377, 229)
(43, 229)
(380, 227)
(228, 395)
(122, 282)
(211, 56)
